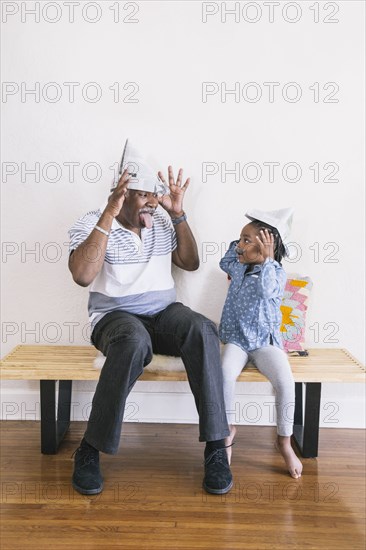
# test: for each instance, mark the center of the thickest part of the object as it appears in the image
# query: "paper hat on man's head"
(280, 219)
(142, 176)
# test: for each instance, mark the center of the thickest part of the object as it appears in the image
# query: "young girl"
(251, 319)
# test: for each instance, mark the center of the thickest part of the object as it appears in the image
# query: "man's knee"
(131, 339)
(130, 330)
(199, 324)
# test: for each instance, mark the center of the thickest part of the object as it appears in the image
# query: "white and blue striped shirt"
(136, 274)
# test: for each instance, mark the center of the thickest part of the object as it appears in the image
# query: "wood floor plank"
(153, 498)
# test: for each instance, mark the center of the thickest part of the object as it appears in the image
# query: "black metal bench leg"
(306, 433)
(311, 422)
(298, 417)
(54, 426)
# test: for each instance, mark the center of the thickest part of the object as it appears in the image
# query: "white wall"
(168, 53)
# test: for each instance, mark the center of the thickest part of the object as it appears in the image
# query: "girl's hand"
(173, 203)
(266, 244)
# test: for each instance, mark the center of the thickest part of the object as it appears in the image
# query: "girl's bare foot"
(228, 441)
(294, 466)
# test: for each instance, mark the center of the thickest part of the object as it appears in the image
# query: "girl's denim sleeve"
(228, 262)
(272, 280)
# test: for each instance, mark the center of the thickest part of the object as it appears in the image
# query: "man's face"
(248, 249)
(138, 209)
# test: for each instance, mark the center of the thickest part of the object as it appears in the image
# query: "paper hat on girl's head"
(280, 219)
(142, 176)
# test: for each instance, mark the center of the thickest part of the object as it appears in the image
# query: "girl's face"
(247, 249)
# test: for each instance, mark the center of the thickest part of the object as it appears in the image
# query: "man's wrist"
(101, 230)
(176, 215)
(106, 216)
(105, 221)
(179, 219)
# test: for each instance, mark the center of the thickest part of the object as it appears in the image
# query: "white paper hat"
(280, 219)
(143, 177)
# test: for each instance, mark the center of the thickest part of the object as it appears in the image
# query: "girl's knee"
(229, 377)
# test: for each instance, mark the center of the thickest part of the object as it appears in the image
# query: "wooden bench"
(50, 364)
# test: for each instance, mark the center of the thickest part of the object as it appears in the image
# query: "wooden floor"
(153, 498)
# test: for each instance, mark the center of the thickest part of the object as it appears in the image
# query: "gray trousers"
(128, 341)
(273, 363)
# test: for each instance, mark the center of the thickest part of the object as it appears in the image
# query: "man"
(124, 252)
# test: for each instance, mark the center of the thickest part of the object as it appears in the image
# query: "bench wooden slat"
(41, 362)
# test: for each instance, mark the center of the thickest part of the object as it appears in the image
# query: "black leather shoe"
(87, 478)
(218, 479)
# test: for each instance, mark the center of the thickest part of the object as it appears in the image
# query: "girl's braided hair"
(279, 248)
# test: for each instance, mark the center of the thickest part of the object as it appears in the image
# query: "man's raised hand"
(173, 203)
(116, 199)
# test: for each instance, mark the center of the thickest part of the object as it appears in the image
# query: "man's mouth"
(146, 217)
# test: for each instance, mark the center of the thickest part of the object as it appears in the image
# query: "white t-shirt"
(136, 274)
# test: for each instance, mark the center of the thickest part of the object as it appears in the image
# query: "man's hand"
(117, 198)
(266, 244)
(173, 203)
